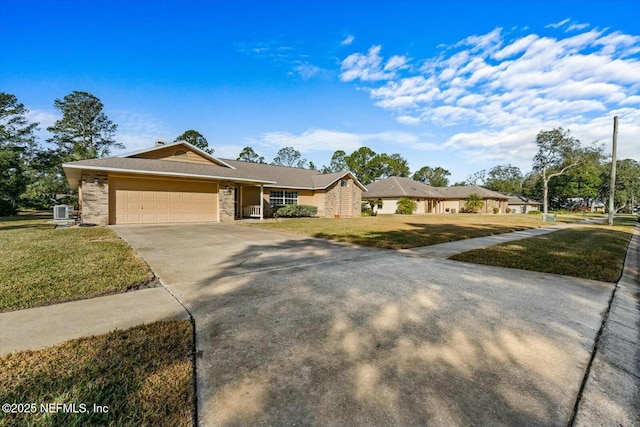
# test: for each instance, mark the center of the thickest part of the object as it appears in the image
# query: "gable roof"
(158, 147)
(396, 186)
(219, 169)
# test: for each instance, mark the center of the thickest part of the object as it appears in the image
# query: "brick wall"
(95, 199)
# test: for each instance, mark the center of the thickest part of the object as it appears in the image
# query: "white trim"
(196, 149)
(176, 174)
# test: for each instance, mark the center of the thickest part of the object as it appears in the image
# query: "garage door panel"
(155, 201)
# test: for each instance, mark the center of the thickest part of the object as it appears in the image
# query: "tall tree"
(557, 152)
(627, 191)
(585, 182)
(248, 155)
(477, 178)
(17, 143)
(196, 139)
(504, 178)
(338, 163)
(289, 156)
(392, 165)
(84, 131)
(363, 163)
(436, 177)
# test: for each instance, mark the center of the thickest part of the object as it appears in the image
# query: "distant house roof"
(396, 186)
(220, 169)
(516, 199)
(463, 191)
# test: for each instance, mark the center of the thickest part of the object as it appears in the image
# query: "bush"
(473, 203)
(406, 206)
(294, 211)
(7, 208)
(496, 210)
(366, 209)
(534, 212)
(508, 210)
(454, 210)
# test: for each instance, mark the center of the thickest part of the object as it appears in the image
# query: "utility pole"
(612, 187)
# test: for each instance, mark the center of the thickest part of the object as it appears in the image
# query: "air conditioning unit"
(62, 212)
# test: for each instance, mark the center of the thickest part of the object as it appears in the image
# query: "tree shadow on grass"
(419, 235)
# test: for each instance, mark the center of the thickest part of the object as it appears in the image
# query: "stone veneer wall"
(95, 199)
(225, 202)
(332, 199)
(356, 197)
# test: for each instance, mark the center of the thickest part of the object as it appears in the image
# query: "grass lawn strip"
(591, 252)
(409, 231)
(144, 375)
(40, 265)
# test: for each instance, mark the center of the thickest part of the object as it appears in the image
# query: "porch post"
(261, 202)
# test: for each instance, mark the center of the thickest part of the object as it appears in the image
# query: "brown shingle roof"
(396, 186)
(463, 191)
(273, 176)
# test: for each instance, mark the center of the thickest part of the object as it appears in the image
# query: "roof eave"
(71, 166)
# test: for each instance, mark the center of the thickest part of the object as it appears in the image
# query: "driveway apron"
(292, 330)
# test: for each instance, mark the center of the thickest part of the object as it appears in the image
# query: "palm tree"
(473, 203)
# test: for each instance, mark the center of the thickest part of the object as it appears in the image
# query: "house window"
(283, 198)
(344, 183)
(379, 203)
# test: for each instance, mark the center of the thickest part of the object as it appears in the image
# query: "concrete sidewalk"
(445, 250)
(40, 327)
(611, 395)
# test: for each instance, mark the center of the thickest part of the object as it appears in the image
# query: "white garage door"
(149, 201)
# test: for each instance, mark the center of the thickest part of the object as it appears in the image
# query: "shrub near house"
(295, 211)
(406, 206)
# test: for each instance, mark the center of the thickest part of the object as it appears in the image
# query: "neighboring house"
(385, 194)
(521, 204)
(456, 196)
(178, 182)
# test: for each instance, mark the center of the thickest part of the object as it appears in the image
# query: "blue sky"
(465, 85)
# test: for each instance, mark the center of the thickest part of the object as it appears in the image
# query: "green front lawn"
(408, 231)
(143, 376)
(592, 252)
(41, 265)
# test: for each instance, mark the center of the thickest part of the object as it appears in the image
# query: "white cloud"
(323, 140)
(347, 40)
(307, 71)
(396, 62)
(368, 67)
(559, 24)
(42, 117)
(408, 120)
(489, 95)
(139, 130)
(576, 27)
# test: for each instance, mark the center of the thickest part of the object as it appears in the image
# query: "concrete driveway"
(300, 331)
